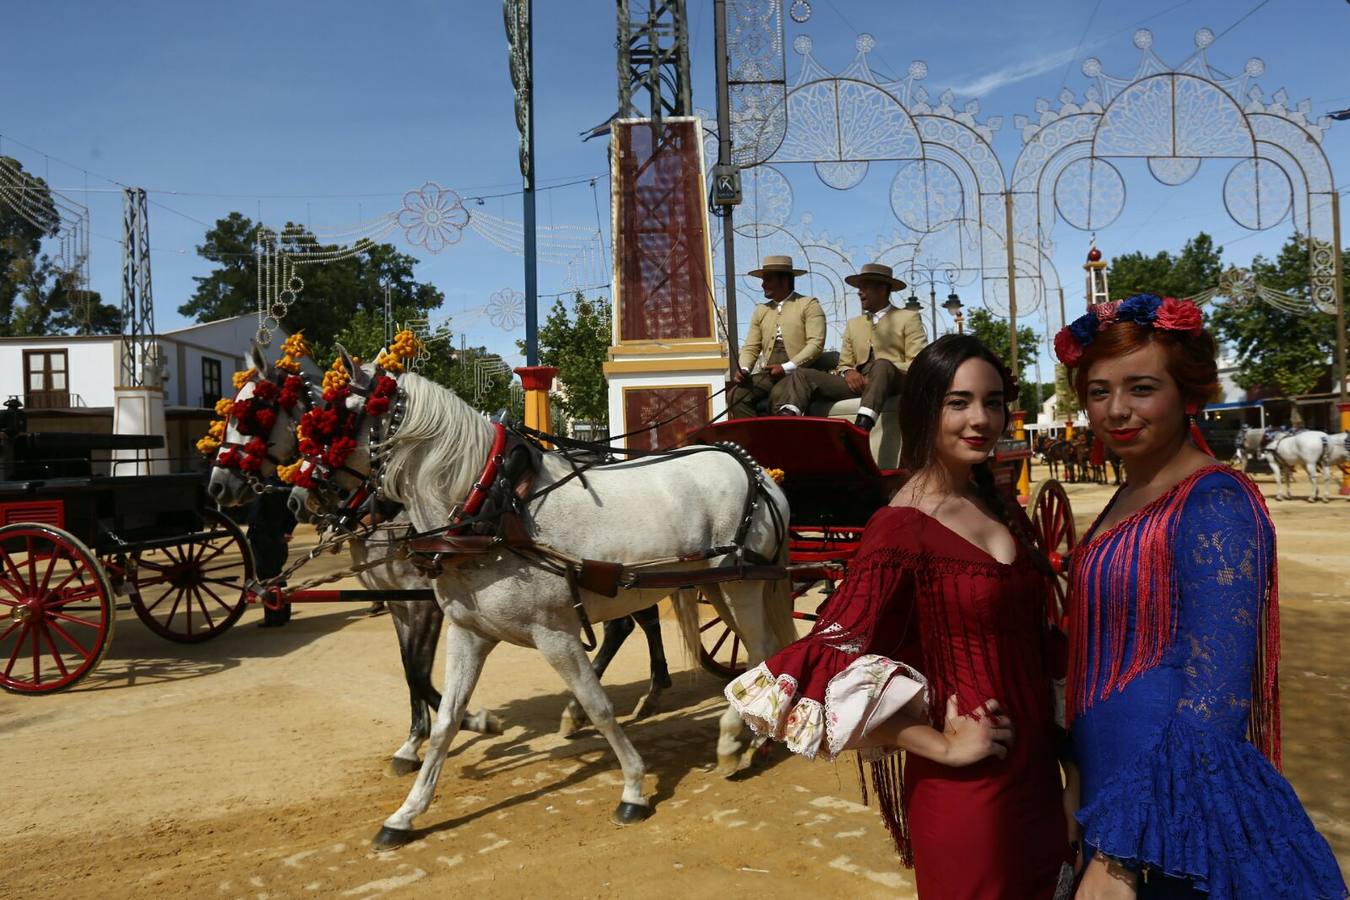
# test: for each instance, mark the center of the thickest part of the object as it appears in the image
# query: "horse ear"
(256, 359)
(358, 377)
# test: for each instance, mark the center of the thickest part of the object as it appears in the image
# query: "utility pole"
(725, 170)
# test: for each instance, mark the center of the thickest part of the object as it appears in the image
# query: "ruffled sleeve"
(1204, 803)
(829, 689)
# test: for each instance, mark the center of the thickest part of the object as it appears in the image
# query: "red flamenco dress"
(920, 598)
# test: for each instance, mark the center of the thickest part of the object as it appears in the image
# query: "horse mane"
(442, 437)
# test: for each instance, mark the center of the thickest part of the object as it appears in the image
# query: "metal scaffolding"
(654, 58)
(139, 353)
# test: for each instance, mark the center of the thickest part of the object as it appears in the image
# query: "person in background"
(787, 332)
(879, 346)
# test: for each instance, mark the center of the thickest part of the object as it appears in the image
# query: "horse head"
(259, 430)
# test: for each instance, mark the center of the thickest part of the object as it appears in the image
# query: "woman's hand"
(1106, 879)
(971, 738)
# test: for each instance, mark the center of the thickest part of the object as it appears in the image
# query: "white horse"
(1310, 449)
(632, 513)
(1248, 447)
(416, 624)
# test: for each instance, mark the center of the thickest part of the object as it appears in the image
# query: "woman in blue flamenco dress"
(1173, 697)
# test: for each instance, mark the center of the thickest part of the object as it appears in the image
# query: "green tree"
(993, 332)
(1287, 351)
(1196, 268)
(37, 296)
(333, 293)
(577, 342)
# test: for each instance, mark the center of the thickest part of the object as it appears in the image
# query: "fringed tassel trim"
(888, 785)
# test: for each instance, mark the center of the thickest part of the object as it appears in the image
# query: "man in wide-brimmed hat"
(878, 347)
(787, 334)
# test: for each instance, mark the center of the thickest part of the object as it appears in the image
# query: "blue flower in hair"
(1141, 309)
(1084, 329)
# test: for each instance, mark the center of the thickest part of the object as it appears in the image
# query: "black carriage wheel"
(720, 650)
(1052, 518)
(56, 609)
(194, 590)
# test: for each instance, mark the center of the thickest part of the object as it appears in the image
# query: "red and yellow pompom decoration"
(241, 378)
(404, 348)
(291, 474)
(776, 474)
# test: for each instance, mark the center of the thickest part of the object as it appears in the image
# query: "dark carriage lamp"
(953, 308)
(912, 302)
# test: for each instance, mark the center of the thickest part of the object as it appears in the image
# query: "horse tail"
(685, 602)
(779, 603)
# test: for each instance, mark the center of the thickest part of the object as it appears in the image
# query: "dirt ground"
(254, 766)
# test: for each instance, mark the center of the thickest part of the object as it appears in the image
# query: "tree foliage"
(1290, 352)
(993, 332)
(1284, 351)
(1196, 268)
(577, 341)
(476, 375)
(38, 296)
(334, 292)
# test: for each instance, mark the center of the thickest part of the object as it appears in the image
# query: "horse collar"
(478, 493)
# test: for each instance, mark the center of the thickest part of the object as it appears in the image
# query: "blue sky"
(326, 113)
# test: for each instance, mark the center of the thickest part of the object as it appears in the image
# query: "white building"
(67, 382)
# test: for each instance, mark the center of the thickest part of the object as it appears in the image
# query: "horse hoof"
(492, 723)
(400, 767)
(728, 764)
(628, 813)
(391, 839)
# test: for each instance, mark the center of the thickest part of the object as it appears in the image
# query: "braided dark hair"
(926, 385)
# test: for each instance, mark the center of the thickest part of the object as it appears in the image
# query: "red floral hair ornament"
(1149, 310)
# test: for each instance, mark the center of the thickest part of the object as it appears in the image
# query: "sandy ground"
(254, 766)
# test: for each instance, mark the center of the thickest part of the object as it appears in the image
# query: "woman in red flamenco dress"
(937, 644)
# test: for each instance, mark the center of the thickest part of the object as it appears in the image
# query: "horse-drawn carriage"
(826, 466)
(75, 537)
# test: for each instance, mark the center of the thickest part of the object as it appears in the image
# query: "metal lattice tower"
(654, 58)
(138, 308)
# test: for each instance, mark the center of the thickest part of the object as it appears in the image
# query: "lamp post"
(953, 308)
(928, 272)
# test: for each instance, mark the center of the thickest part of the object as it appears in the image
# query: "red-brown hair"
(1190, 358)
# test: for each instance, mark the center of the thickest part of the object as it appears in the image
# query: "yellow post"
(1024, 467)
(537, 380)
(1345, 426)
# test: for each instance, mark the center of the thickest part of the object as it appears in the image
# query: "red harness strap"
(478, 493)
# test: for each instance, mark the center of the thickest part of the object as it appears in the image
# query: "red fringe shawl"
(1151, 556)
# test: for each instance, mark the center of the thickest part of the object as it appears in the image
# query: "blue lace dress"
(1171, 784)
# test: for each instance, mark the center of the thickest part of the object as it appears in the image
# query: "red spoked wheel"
(720, 650)
(193, 590)
(1052, 518)
(56, 609)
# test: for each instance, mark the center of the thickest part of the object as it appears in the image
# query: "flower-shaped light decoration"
(506, 309)
(433, 217)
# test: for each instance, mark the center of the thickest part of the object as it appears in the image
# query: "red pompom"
(377, 406)
(240, 409)
(266, 419)
(265, 391)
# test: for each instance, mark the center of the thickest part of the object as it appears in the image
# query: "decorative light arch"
(1176, 117)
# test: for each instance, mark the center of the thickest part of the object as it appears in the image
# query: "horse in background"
(1316, 452)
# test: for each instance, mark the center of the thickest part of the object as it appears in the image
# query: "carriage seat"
(885, 436)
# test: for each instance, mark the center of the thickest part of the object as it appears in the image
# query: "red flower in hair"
(1067, 348)
(1179, 315)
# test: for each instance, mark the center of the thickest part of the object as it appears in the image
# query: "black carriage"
(79, 542)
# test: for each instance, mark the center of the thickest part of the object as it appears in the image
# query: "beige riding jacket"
(898, 336)
(803, 326)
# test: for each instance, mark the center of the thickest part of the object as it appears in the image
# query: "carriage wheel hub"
(27, 610)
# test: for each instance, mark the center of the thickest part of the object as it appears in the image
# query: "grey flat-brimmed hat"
(773, 264)
(875, 272)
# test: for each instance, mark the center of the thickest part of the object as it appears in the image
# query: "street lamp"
(912, 302)
(953, 308)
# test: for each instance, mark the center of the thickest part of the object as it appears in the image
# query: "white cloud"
(989, 82)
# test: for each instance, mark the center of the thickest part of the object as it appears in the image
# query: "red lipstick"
(978, 443)
(1124, 435)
